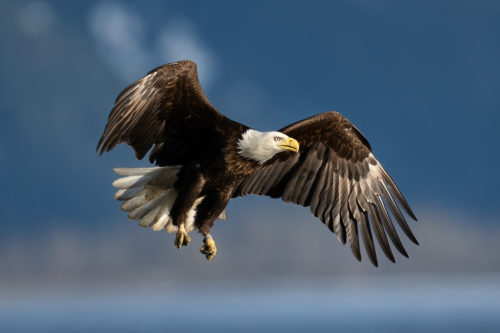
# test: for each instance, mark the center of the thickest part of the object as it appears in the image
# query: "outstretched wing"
(337, 176)
(169, 95)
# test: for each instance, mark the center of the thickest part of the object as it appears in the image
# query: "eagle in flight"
(204, 159)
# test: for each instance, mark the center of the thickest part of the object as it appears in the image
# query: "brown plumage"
(336, 175)
(334, 172)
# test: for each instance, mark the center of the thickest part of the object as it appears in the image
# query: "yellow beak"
(290, 144)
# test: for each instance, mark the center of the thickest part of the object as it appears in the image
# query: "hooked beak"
(290, 144)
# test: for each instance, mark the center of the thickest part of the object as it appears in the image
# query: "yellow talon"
(182, 238)
(209, 249)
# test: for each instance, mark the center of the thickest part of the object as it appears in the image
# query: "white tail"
(148, 195)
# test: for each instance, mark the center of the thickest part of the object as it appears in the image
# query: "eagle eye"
(277, 138)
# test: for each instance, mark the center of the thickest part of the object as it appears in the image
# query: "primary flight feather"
(204, 159)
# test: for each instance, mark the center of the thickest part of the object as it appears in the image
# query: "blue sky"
(419, 79)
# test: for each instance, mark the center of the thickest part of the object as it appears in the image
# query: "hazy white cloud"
(178, 40)
(274, 241)
(36, 17)
(120, 37)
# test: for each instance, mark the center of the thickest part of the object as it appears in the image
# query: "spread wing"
(337, 176)
(157, 109)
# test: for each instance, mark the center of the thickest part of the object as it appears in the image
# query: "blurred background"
(420, 79)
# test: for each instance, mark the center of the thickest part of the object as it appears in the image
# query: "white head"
(261, 146)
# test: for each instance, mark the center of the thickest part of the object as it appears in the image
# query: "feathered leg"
(189, 186)
(210, 209)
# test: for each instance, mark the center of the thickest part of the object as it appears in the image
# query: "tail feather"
(161, 222)
(135, 171)
(150, 217)
(125, 194)
(148, 195)
(141, 211)
(130, 182)
(134, 202)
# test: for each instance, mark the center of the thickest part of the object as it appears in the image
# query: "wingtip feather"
(356, 252)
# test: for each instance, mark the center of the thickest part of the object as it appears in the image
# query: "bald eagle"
(204, 159)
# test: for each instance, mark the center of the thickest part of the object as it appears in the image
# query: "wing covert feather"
(159, 103)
